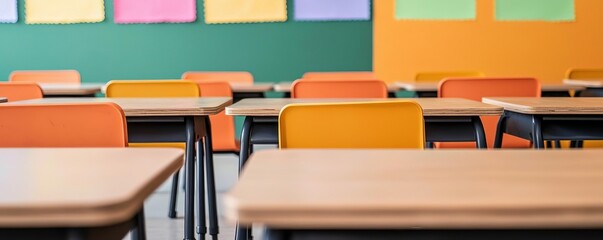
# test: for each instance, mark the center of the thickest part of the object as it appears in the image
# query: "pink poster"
(155, 11)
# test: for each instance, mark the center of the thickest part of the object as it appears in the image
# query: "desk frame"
(264, 130)
(494, 234)
(186, 129)
(540, 127)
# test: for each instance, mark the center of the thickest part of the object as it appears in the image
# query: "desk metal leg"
(211, 182)
(480, 133)
(537, 132)
(242, 232)
(139, 230)
(201, 227)
(500, 131)
(189, 169)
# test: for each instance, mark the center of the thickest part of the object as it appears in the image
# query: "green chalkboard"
(273, 52)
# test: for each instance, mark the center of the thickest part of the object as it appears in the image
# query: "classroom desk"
(413, 194)
(79, 193)
(256, 90)
(431, 89)
(3, 100)
(446, 120)
(71, 90)
(544, 119)
(172, 120)
(285, 87)
(594, 88)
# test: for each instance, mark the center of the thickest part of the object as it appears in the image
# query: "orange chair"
(222, 125)
(230, 77)
(478, 88)
(63, 125)
(339, 76)
(15, 91)
(339, 89)
(51, 76)
(430, 77)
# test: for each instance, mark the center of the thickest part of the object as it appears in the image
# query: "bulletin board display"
(543, 49)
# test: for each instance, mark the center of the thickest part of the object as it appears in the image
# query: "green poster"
(535, 10)
(436, 9)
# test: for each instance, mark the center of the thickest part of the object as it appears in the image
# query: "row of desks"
(422, 89)
(180, 120)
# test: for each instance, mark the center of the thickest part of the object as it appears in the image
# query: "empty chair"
(44, 77)
(426, 77)
(585, 74)
(230, 77)
(222, 125)
(17, 91)
(395, 124)
(155, 89)
(339, 76)
(339, 89)
(478, 88)
(63, 125)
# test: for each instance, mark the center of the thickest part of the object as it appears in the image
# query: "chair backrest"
(339, 89)
(230, 77)
(478, 88)
(393, 124)
(426, 77)
(17, 91)
(585, 74)
(50, 76)
(222, 125)
(63, 125)
(151, 88)
(339, 76)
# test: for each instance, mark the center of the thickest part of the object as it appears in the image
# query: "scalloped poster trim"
(64, 11)
(155, 11)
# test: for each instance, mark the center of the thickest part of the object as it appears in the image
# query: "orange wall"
(541, 49)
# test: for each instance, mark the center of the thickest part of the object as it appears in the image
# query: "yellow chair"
(157, 89)
(585, 74)
(390, 124)
(428, 77)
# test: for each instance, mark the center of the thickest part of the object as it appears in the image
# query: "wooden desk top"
(444, 189)
(286, 87)
(3, 100)
(585, 83)
(75, 187)
(71, 89)
(255, 88)
(431, 106)
(433, 87)
(145, 107)
(549, 105)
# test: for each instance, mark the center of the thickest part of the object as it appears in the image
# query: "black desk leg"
(189, 170)
(537, 132)
(172, 213)
(139, 231)
(242, 232)
(480, 133)
(211, 182)
(202, 226)
(500, 131)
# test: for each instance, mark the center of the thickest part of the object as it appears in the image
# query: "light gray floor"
(160, 227)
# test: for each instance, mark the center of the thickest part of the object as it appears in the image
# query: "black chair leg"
(172, 213)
